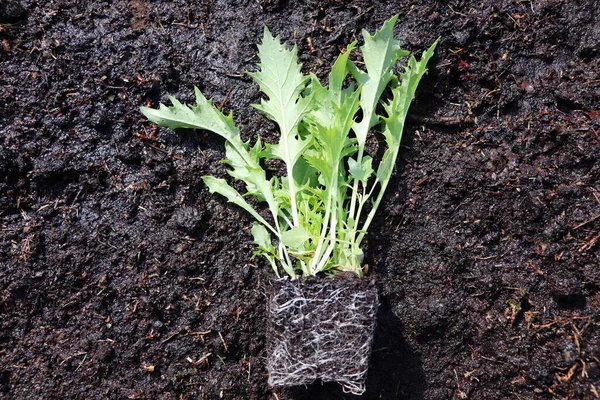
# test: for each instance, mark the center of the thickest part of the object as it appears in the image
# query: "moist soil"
(122, 277)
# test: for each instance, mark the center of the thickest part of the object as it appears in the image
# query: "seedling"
(322, 207)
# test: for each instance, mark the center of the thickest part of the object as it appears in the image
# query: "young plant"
(321, 209)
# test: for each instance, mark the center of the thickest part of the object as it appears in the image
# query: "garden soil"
(122, 277)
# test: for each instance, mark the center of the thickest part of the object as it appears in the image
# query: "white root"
(321, 330)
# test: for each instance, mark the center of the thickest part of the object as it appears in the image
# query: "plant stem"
(371, 214)
(333, 224)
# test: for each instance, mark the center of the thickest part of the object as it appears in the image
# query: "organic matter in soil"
(122, 277)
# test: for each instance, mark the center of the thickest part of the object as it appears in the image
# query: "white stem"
(333, 225)
(322, 238)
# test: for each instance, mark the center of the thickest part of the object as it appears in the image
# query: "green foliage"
(320, 209)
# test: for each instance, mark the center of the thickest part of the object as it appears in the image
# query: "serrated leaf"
(281, 80)
(402, 96)
(203, 116)
(396, 109)
(338, 74)
(380, 53)
(381, 50)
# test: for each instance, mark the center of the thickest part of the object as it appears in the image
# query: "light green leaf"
(203, 116)
(216, 185)
(361, 172)
(338, 73)
(281, 80)
(295, 237)
(384, 171)
(381, 50)
(262, 239)
(305, 174)
(397, 110)
(380, 53)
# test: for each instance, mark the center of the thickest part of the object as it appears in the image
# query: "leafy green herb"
(322, 208)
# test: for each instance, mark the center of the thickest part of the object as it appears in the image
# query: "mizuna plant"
(322, 207)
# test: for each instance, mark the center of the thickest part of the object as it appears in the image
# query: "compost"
(122, 277)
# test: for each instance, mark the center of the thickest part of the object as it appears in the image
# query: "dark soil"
(121, 277)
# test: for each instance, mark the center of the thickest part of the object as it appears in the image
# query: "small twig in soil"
(201, 360)
(222, 104)
(587, 222)
(199, 333)
(223, 341)
(461, 394)
(441, 121)
(235, 75)
(548, 323)
(493, 360)
(158, 20)
(589, 244)
(566, 377)
(596, 197)
(169, 338)
(173, 156)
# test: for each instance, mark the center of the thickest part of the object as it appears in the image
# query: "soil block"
(321, 328)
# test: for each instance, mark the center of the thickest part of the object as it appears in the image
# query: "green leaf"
(316, 204)
(216, 185)
(295, 237)
(262, 239)
(338, 74)
(281, 80)
(397, 110)
(305, 174)
(203, 116)
(361, 172)
(380, 53)
(381, 50)
(245, 164)
(384, 171)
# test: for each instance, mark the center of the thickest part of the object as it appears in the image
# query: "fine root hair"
(321, 329)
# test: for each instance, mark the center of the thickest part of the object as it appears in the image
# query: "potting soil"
(321, 328)
(122, 277)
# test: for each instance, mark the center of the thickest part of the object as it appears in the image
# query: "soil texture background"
(122, 277)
